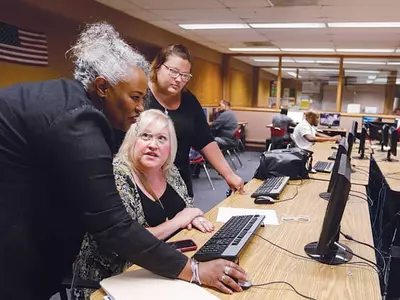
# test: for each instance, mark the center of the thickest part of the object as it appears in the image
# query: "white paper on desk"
(225, 213)
(142, 284)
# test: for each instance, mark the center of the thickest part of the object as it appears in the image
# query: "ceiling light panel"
(288, 25)
(364, 24)
(213, 26)
(256, 49)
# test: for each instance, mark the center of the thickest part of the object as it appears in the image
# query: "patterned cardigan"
(93, 265)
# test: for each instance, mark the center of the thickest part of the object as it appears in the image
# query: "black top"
(56, 183)
(191, 128)
(156, 214)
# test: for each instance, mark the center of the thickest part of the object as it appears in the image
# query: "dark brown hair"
(174, 49)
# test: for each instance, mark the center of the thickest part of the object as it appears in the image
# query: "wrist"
(186, 273)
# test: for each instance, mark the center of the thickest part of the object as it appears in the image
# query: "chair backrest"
(276, 131)
(237, 134)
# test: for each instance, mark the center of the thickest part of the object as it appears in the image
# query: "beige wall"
(366, 95)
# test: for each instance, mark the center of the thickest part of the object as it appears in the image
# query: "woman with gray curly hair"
(56, 179)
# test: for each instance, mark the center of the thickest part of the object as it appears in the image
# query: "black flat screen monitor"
(326, 250)
(329, 119)
(376, 129)
(351, 136)
(393, 138)
(361, 148)
(342, 149)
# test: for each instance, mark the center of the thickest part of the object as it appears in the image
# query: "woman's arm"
(165, 229)
(218, 161)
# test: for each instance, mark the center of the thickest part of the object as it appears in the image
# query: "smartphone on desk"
(183, 245)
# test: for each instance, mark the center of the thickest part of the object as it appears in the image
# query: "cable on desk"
(356, 255)
(373, 266)
(291, 198)
(358, 196)
(350, 238)
(286, 250)
(284, 282)
(301, 183)
(365, 194)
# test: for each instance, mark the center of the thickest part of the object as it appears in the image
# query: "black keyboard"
(323, 166)
(271, 187)
(230, 239)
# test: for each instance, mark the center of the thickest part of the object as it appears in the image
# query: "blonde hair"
(151, 116)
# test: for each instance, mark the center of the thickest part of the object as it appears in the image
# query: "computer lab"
(215, 149)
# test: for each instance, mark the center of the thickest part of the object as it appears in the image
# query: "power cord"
(284, 282)
(318, 179)
(301, 183)
(358, 196)
(356, 255)
(350, 238)
(373, 265)
(291, 198)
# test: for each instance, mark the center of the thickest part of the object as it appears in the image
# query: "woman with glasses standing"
(169, 74)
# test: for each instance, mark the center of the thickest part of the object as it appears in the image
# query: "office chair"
(201, 162)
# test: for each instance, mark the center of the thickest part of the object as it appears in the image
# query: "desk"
(333, 131)
(384, 190)
(265, 263)
(361, 166)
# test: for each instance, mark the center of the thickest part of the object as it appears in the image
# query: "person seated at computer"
(305, 134)
(152, 191)
(224, 127)
(283, 122)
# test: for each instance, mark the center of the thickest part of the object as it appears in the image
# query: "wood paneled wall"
(206, 83)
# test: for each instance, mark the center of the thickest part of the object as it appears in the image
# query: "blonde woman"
(151, 189)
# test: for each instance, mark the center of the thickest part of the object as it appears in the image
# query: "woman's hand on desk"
(219, 273)
(202, 224)
(235, 182)
(185, 217)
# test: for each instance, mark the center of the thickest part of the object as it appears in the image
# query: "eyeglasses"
(301, 219)
(174, 73)
(147, 137)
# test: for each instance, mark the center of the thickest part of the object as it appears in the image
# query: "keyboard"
(271, 187)
(323, 166)
(230, 239)
(333, 156)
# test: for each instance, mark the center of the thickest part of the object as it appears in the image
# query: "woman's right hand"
(220, 273)
(185, 217)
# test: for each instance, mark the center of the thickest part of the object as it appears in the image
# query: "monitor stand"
(325, 196)
(340, 256)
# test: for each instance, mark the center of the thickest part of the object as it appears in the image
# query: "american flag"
(22, 46)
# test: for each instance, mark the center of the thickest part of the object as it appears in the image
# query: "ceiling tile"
(176, 4)
(279, 14)
(245, 4)
(304, 44)
(118, 4)
(355, 14)
(142, 14)
(198, 15)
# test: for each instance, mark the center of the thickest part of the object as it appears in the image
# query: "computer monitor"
(367, 120)
(361, 148)
(393, 138)
(296, 116)
(351, 136)
(342, 149)
(384, 137)
(329, 119)
(376, 129)
(326, 250)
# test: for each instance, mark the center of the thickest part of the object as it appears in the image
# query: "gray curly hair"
(100, 51)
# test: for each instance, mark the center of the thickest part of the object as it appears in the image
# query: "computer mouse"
(244, 284)
(264, 200)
